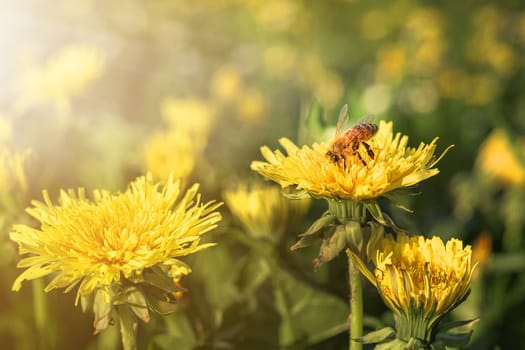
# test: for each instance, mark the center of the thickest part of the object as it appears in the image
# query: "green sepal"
(354, 235)
(316, 231)
(377, 336)
(128, 327)
(157, 277)
(377, 232)
(295, 194)
(332, 246)
(379, 216)
(395, 344)
(86, 302)
(102, 307)
(137, 303)
(161, 303)
(456, 334)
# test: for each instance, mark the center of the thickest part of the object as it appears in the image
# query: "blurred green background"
(101, 92)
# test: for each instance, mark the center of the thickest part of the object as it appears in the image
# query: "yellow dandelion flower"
(497, 159)
(226, 84)
(188, 115)
(394, 165)
(263, 210)
(420, 280)
(175, 150)
(172, 153)
(64, 76)
(12, 172)
(98, 243)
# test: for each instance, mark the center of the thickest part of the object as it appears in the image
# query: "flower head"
(420, 280)
(394, 165)
(175, 150)
(114, 237)
(64, 76)
(500, 162)
(263, 210)
(420, 273)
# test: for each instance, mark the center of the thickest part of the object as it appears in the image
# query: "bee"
(347, 144)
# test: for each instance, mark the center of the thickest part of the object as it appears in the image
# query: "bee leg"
(360, 158)
(368, 150)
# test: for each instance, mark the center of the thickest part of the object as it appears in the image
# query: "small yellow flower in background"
(64, 76)
(12, 173)
(395, 165)
(176, 150)
(114, 242)
(420, 280)
(497, 159)
(171, 153)
(189, 115)
(6, 129)
(263, 210)
(226, 84)
(250, 107)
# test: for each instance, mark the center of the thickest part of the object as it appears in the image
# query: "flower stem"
(356, 305)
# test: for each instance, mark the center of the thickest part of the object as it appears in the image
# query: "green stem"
(356, 305)
(40, 309)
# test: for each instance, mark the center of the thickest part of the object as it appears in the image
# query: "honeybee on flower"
(347, 144)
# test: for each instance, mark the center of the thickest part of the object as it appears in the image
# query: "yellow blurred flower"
(497, 159)
(176, 150)
(391, 61)
(171, 153)
(375, 24)
(263, 210)
(420, 280)
(453, 83)
(63, 76)
(277, 15)
(328, 89)
(99, 243)
(251, 106)
(192, 115)
(484, 88)
(395, 165)
(281, 60)
(12, 172)
(226, 84)
(6, 129)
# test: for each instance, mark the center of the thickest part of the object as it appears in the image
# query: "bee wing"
(366, 119)
(341, 120)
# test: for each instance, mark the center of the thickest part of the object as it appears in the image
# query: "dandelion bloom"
(420, 280)
(393, 165)
(498, 160)
(263, 210)
(98, 243)
(176, 149)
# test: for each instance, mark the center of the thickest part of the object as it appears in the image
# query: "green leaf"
(377, 336)
(156, 276)
(314, 315)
